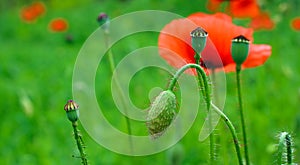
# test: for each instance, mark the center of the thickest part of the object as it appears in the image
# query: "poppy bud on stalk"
(161, 113)
(103, 21)
(239, 49)
(199, 36)
(72, 110)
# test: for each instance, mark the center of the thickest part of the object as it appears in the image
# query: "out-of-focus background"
(38, 52)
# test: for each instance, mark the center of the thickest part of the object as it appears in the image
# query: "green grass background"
(36, 69)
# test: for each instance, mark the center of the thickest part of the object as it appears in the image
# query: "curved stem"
(122, 97)
(203, 81)
(238, 70)
(232, 131)
(182, 70)
(79, 143)
(216, 109)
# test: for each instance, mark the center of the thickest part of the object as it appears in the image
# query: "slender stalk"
(119, 90)
(232, 131)
(216, 100)
(203, 82)
(289, 156)
(238, 70)
(79, 143)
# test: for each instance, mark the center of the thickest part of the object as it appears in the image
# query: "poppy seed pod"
(161, 113)
(239, 49)
(199, 36)
(72, 111)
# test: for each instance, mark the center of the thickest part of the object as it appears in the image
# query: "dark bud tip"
(71, 105)
(240, 49)
(198, 37)
(241, 39)
(199, 32)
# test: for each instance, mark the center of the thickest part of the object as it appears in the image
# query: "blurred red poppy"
(175, 43)
(214, 5)
(236, 8)
(28, 15)
(38, 8)
(295, 23)
(32, 12)
(244, 8)
(262, 21)
(58, 25)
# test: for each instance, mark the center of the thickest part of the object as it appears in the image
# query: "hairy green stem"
(79, 143)
(238, 71)
(223, 116)
(203, 82)
(285, 140)
(232, 131)
(119, 90)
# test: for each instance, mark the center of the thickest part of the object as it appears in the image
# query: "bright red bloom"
(58, 25)
(295, 23)
(28, 15)
(32, 12)
(262, 21)
(175, 43)
(244, 8)
(236, 8)
(214, 5)
(38, 8)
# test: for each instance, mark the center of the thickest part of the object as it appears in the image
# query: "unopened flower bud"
(239, 49)
(161, 113)
(199, 36)
(72, 111)
(103, 21)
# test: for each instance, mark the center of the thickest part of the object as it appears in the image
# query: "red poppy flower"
(214, 5)
(262, 21)
(244, 8)
(38, 8)
(58, 25)
(295, 23)
(32, 12)
(236, 8)
(175, 43)
(28, 15)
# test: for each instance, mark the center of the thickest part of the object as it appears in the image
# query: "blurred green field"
(36, 67)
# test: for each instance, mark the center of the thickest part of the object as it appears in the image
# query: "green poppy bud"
(239, 49)
(199, 36)
(161, 113)
(72, 111)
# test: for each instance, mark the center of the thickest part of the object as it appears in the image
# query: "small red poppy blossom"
(295, 23)
(214, 5)
(175, 43)
(28, 15)
(262, 21)
(38, 8)
(58, 25)
(244, 8)
(236, 8)
(32, 12)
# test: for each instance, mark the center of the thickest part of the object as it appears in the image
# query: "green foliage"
(36, 80)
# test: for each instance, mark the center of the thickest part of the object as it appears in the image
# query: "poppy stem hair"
(285, 140)
(80, 144)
